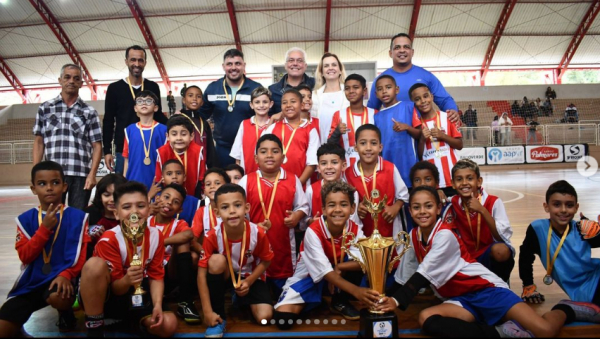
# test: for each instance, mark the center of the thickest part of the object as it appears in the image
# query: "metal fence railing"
(22, 152)
(6, 153)
(476, 136)
(572, 134)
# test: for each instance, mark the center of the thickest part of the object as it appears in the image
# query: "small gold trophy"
(133, 229)
(376, 252)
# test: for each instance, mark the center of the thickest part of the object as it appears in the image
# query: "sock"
(282, 319)
(568, 311)
(184, 275)
(95, 325)
(437, 326)
(503, 269)
(216, 286)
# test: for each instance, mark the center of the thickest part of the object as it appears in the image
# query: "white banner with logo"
(505, 155)
(476, 154)
(102, 169)
(574, 152)
(545, 153)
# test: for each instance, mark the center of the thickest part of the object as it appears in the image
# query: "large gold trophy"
(133, 229)
(376, 252)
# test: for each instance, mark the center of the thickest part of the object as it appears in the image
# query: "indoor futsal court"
(521, 190)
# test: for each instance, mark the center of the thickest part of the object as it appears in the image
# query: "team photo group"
(259, 197)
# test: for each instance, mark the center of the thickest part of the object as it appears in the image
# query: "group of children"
(271, 231)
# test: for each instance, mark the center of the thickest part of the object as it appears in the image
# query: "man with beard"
(406, 74)
(119, 104)
(227, 101)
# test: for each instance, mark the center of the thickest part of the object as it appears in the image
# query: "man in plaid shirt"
(67, 131)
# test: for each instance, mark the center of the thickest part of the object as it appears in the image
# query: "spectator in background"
(67, 131)
(571, 114)
(533, 110)
(495, 129)
(470, 120)
(525, 101)
(182, 94)
(295, 66)
(547, 107)
(505, 129)
(532, 130)
(538, 103)
(515, 109)
(550, 93)
(172, 104)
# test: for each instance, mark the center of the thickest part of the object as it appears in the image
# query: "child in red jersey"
(180, 146)
(481, 220)
(251, 129)
(300, 141)
(235, 249)
(235, 172)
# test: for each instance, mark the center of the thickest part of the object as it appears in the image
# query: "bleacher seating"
(17, 130)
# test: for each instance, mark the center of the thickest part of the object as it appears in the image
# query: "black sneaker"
(346, 310)
(187, 310)
(66, 321)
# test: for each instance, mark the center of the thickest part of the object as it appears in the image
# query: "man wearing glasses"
(67, 131)
(119, 106)
(295, 66)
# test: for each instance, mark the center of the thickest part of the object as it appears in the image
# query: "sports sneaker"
(66, 321)
(346, 310)
(187, 310)
(215, 331)
(586, 312)
(512, 329)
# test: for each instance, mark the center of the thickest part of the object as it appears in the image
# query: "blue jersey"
(575, 271)
(415, 75)
(190, 205)
(399, 148)
(136, 169)
(65, 252)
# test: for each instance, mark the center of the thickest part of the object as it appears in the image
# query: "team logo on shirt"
(248, 254)
(18, 237)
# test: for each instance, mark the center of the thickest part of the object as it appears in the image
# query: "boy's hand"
(265, 225)
(588, 229)
(437, 133)
(50, 220)
(343, 128)
(290, 221)
(443, 196)
(155, 189)
(531, 295)
(426, 132)
(312, 219)
(135, 274)
(154, 208)
(386, 304)
(64, 287)
(367, 296)
(390, 212)
(474, 205)
(212, 319)
(399, 126)
(157, 316)
(243, 289)
(362, 210)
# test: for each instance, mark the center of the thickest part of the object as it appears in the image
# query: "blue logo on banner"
(495, 155)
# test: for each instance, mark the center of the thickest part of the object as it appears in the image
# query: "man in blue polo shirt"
(227, 100)
(407, 74)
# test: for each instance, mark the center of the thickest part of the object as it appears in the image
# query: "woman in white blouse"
(505, 127)
(329, 96)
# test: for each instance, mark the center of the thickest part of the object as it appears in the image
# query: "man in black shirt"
(119, 104)
(470, 120)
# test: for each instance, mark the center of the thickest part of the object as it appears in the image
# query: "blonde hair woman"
(329, 96)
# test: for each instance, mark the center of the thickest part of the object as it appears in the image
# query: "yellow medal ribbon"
(131, 88)
(230, 260)
(201, 130)
(232, 101)
(335, 262)
(147, 149)
(478, 223)
(266, 212)
(550, 264)
(350, 118)
(362, 178)
(210, 218)
(181, 161)
(48, 256)
(436, 144)
(286, 147)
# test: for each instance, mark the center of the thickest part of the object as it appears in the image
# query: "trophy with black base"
(376, 252)
(133, 229)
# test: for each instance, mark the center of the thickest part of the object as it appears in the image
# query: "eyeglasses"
(291, 61)
(141, 102)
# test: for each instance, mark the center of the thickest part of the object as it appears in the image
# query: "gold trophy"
(376, 252)
(133, 229)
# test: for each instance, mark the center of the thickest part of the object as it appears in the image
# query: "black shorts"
(117, 306)
(259, 293)
(19, 309)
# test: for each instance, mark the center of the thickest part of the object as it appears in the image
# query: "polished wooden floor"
(521, 190)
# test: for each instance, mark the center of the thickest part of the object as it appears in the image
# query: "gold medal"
(548, 280)
(230, 109)
(550, 263)
(147, 161)
(47, 268)
(232, 101)
(147, 149)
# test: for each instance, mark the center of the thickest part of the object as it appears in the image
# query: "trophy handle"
(403, 239)
(346, 248)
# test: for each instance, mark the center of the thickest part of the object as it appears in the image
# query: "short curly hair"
(335, 187)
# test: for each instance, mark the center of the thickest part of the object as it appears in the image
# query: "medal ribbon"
(166, 229)
(362, 178)
(181, 161)
(549, 263)
(212, 223)
(230, 260)
(266, 212)
(286, 147)
(201, 130)
(147, 149)
(333, 245)
(131, 88)
(257, 128)
(436, 144)
(48, 256)
(478, 223)
(350, 118)
(232, 101)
